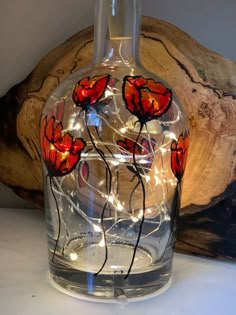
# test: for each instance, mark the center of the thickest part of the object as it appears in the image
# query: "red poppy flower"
(146, 98)
(144, 148)
(89, 90)
(179, 152)
(60, 152)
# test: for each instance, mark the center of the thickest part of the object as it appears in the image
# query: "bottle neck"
(117, 24)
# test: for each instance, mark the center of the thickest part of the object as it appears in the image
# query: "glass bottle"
(114, 143)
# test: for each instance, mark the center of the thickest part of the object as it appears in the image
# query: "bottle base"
(107, 294)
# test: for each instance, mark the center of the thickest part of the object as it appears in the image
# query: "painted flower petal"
(52, 154)
(60, 153)
(156, 87)
(69, 164)
(57, 132)
(42, 133)
(179, 153)
(128, 145)
(65, 143)
(45, 148)
(59, 160)
(145, 147)
(49, 130)
(137, 81)
(78, 145)
(145, 98)
(89, 90)
(131, 96)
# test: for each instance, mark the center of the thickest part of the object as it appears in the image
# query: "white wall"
(31, 28)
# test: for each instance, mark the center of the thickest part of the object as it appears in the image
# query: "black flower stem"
(175, 209)
(109, 191)
(178, 197)
(144, 199)
(59, 218)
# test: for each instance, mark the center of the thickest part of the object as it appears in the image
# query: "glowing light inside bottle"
(163, 150)
(123, 130)
(115, 163)
(143, 161)
(111, 199)
(97, 228)
(119, 207)
(134, 219)
(73, 256)
(171, 135)
(101, 243)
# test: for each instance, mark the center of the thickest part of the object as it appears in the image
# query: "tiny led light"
(123, 130)
(134, 219)
(101, 182)
(171, 135)
(97, 228)
(111, 199)
(73, 256)
(140, 215)
(101, 243)
(163, 150)
(119, 207)
(143, 161)
(77, 127)
(115, 163)
(108, 93)
(157, 180)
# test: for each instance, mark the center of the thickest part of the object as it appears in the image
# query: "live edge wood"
(205, 83)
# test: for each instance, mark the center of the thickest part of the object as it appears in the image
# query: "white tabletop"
(199, 286)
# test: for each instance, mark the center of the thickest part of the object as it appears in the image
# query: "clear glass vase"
(114, 143)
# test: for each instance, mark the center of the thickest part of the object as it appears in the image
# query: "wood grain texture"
(205, 83)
